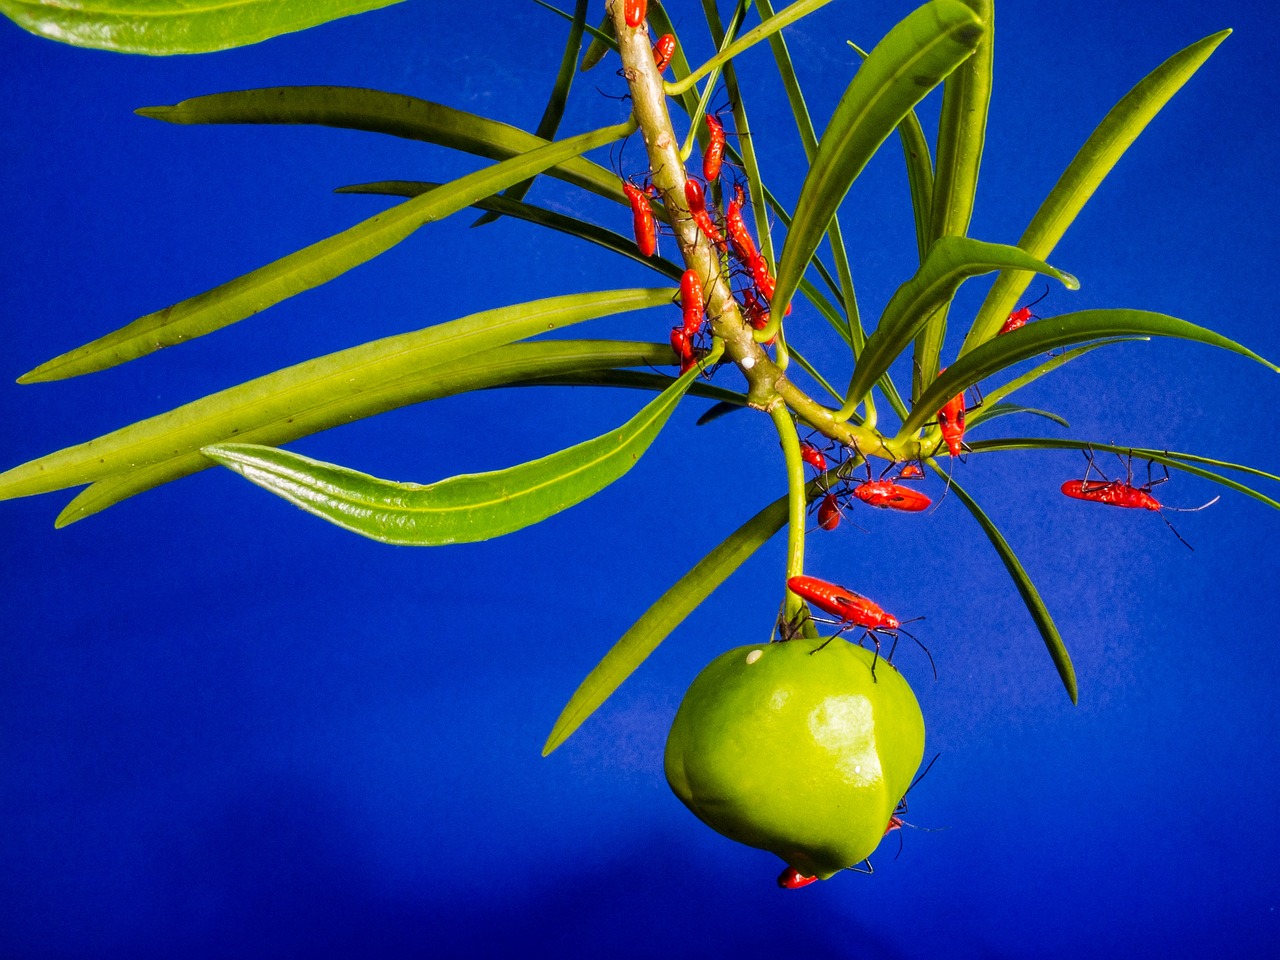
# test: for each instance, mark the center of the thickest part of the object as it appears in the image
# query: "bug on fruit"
(793, 879)
(663, 51)
(1020, 316)
(696, 198)
(641, 218)
(1123, 493)
(634, 11)
(853, 610)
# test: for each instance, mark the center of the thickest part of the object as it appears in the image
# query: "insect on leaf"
(462, 509)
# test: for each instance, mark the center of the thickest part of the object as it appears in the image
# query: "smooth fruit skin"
(797, 750)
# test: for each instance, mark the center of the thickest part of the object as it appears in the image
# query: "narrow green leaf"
(664, 616)
(309, 267)
(553, 113)
(515, 364)
(989, 411)
(1179, 461)
(290, 396)
(462, 509)
(1105, 146)
(950, 261)
(392, 114)
(599, 376)
(603, 39)
(718, 410)
(910, 61)
(788, 16)
(519, 210)
(1026, 589)
(163, 27)
(962, 130)
(1051, 333)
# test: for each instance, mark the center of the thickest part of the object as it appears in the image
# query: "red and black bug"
(634, 11)
(642, 222)
(696, 198)
(951, 419)
(691, 303)
(850, 610)
(713, 156)
(1123, 493)
(1020, 316)
(663, 51)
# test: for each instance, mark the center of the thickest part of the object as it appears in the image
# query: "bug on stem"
(696, 198)
(642, 222)
(635, 11)
(663, 51)
(691, 303)
(713, 156)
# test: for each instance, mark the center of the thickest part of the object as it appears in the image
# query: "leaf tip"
(1069, 280)
(155, 113)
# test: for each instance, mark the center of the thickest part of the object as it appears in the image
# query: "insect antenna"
(1191, 509)
(933, 665)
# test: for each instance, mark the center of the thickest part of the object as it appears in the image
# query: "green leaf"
(788, 16)
(1180, 461)
(575, 362)
(1105, 146)
(310, 395)
(553, 113)
(392, 114)
(461, 509)
(962, 130)
(951, 261)
(912, 59)
(162, 27)
(519, 210)
(664, 616)
(309, 267)
(1027, 590)
(989, 411)
(1050, 333)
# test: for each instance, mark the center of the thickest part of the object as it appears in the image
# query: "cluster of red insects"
(845, 608)
(728, 232)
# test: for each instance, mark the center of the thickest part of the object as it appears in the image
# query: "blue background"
(230, 729)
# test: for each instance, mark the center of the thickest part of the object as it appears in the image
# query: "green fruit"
(797, 750)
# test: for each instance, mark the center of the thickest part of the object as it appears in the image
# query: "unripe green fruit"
(794, 748)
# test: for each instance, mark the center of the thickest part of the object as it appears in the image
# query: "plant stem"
(797, 502)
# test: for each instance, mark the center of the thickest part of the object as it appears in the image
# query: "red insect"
(713, 156)
(696, 198)
(890, 496)
(852, 610)
(1122, 493)
(951, 421)
(683, 349)
(813, 456)
(1020, 316)
(793, 879)
(691, 303)
(829, 512)
(911, 471)
(663, 51)
(756, 312)
(744, 247)
(634, 11)
(642, 218)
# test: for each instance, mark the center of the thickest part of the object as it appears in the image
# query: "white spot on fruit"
(754, 655)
